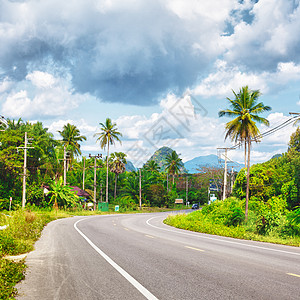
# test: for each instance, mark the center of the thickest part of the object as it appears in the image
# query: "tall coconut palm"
(173, 164)
(245, 109)
(106, 137)
(152, 166)
(71, 136)
(117, 162)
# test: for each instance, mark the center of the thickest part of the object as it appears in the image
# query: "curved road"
(139, 257)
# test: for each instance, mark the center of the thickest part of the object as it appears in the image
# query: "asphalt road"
(138, 257)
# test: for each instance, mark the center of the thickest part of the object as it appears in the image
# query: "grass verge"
(200, 222)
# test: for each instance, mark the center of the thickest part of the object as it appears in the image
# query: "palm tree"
(71, 136)
(117, 162)
(245, 109)
(107, 137)
(152, 166)
(173, 164)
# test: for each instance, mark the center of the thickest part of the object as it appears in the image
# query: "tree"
(71, 136)
(117, 162)
(295, 140)
(152, 166)
(106, 137)
(173, 164)
(62, 195)
(245, 109)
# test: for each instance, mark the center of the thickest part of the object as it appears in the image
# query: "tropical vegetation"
(245, 110)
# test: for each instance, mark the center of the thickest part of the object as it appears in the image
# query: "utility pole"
(140, 187)
(186, 189)
(83, 173)
(232, 175)
(24, 169)
(225, 172)
(95, 167)
(65, 166)
(225, 176)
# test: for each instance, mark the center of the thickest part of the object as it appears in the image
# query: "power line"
(271, 131)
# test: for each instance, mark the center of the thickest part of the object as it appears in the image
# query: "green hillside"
(159, 157)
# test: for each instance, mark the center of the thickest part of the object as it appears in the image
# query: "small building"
(79, 192)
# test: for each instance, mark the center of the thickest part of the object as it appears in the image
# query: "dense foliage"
(270, 221)
(45, 170)
(278, 177)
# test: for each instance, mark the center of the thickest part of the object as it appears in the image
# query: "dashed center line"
(126, 229)
(292, 274)
(197, 249)
(149, 236)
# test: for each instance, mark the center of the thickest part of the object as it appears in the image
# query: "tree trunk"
(115, 193)
(248, 180)
(245, 154)
(107, 172)
(167, 183)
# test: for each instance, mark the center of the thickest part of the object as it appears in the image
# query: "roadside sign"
(117, 207)
(178, 201)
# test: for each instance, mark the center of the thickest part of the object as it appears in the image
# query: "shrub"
(10, 274)
(236, 217)
(127, 204)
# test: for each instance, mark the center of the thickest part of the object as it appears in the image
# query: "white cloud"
(84, 128)
(41, 79)
(272, 37)
(48, 96)
(5, 85)
(224, 79)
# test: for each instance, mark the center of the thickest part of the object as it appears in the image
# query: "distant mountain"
(276, 156)
(159, 157)
(209, 161)
(129, 166)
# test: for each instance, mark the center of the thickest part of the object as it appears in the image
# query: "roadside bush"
(7, 243)
(127, 204)
(271, 215)
(228, 212)
(236, 217)
(267, 222)
(10, 274)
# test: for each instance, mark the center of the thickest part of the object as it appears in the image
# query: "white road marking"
(292, 274)
(127, 276)
(197, 249)
(219, 240)
(149, 236)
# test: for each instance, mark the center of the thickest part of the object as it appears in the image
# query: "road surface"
(136, 256)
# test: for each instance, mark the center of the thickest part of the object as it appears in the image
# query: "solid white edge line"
(219, 240)
(127, 276)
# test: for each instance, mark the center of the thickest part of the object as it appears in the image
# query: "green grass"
(209, 223)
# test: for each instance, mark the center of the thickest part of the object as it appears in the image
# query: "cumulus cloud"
(272, 37)
(226, 78)
(85, 129)
(48, 97)
(120, 51)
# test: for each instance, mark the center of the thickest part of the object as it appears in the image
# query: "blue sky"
(161, 69)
